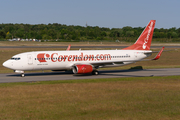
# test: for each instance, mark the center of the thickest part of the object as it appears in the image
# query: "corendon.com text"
(62, 58)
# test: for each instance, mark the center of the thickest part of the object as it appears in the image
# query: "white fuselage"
(64, 60)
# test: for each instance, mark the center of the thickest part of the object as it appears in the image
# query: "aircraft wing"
(122, 62)
(157, 56)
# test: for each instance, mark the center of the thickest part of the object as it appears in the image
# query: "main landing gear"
(22, 75)
(95, 72)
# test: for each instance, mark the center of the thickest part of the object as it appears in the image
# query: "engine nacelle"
(82, 69)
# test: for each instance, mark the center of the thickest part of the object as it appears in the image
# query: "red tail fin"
(144, 40)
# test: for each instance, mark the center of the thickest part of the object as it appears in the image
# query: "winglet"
(68, 48)
(159, 54)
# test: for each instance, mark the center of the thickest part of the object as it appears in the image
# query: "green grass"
(116, 98)
(112, 98)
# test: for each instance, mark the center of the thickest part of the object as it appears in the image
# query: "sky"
(102, 13)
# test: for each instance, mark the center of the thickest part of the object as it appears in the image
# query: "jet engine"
(82, 69)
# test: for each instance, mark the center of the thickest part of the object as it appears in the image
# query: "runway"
(32, 77)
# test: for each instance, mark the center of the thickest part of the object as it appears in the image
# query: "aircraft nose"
(7, 64)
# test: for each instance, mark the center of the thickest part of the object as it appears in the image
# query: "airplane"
(85, 61)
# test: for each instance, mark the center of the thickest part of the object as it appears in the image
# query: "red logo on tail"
(144, 40)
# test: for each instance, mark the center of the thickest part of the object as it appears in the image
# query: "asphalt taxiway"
(47, 76)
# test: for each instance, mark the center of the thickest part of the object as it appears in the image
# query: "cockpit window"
(14, 58)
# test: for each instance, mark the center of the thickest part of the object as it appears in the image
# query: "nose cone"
(7, 64)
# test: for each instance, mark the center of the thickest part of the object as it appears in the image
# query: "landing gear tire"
(22, 75)
(95, 72)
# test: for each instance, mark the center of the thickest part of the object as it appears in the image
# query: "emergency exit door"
(30, 59)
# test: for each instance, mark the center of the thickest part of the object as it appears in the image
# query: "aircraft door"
(30, 59)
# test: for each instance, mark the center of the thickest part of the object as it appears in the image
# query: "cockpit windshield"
(15, 58)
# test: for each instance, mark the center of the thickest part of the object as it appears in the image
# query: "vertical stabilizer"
(144, 40)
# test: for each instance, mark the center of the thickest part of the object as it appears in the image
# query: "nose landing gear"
(19, 71)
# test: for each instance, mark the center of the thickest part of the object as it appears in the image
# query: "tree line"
(63, 32)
